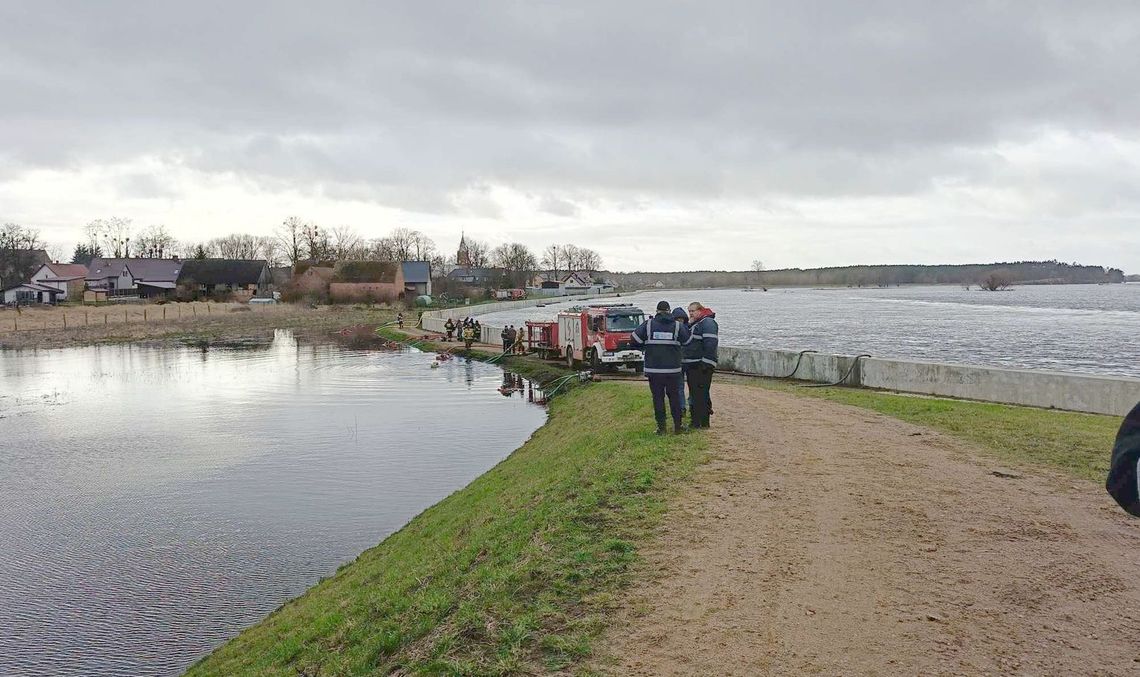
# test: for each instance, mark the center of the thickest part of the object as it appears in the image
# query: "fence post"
(164, 312)
(124, 316)
(144, 314)
(86, 319)
(65, 320)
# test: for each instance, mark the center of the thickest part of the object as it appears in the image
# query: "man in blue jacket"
(1124, 472)
(661, 337)
(702, 361)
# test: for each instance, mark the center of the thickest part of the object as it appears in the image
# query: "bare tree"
(553, 259)
(996, 281)
(18, 257)
(269, 248)
(380, 249)
(758, 268)
(289, 240)
(422, 246)
(318, 246)
(347, 244)
(588, 259)
(155, 242)
(237, 246)
(517, 261)
(114, 234)
(402, 243)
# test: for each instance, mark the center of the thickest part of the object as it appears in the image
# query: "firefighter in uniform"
(662, 338)
(701, 359)
(1124, 472)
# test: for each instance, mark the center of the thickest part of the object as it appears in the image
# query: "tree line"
(998, 275)
(298, 241)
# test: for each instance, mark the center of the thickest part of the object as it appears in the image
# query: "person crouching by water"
(1123, 482)
(449, 327)
(682, 317)
(702, 361)
(661, 337)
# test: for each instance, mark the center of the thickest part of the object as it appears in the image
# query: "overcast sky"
(664, 135)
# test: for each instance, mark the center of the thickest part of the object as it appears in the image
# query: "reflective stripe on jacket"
(662, 338)
(706, 335)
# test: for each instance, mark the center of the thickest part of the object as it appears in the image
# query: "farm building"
(210, 277)
(67, 278)
(29, 293)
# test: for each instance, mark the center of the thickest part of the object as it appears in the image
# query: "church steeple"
(463, 256)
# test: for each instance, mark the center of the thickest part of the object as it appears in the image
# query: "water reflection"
(157, 500)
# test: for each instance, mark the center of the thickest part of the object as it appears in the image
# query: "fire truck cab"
(600, 335)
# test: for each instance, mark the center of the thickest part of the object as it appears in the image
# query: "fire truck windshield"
(624, 322)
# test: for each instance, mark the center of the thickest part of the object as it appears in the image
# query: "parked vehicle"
(510, 294)
(598, 335)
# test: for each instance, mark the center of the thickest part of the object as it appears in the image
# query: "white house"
(29, 293)
(67, 278)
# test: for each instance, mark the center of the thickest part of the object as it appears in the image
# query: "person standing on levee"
(702, 361)
(661, 337)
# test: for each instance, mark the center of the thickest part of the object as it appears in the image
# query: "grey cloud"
(628, 102)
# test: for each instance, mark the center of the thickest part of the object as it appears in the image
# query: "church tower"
(463, 256)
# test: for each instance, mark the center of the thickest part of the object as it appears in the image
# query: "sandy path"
(824, 539)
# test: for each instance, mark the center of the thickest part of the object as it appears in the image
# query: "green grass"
(516, 573)
(1078, 444)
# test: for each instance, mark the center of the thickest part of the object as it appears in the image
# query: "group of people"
(512, 340)
(680, 347)
(469, 330)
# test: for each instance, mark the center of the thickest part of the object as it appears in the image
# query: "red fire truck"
(597, 335)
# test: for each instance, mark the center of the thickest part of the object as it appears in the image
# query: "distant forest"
(1020, 272)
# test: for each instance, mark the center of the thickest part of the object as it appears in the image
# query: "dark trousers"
(700, 381)
(666, 386)
(506, 345)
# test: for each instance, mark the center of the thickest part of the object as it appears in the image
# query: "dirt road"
(824, 539)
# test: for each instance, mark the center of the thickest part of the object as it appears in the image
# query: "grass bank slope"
(514, 573)
(1078, 444)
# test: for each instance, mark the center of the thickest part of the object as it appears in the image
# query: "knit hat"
(663, 307)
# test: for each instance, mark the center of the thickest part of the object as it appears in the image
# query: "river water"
(1081, 328)
(155, 501)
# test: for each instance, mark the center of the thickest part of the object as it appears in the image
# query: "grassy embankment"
(1077, 444)
(514, 573)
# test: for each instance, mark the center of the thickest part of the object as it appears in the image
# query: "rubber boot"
(661, 430)
(679, 428)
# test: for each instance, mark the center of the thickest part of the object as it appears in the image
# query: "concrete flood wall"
(1052, 390)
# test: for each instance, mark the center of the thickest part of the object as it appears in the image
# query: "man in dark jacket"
(1124, 472)
(681, 316)
(661, 337)
(506, 336)
(703, 362)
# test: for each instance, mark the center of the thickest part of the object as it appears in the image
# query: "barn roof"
(416, 272)
(222, 271)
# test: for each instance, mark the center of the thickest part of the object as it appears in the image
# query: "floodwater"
(1080, 328)
(154, 501)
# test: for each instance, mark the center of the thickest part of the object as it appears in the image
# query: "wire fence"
(62, 317)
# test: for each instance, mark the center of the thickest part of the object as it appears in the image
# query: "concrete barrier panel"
(1074, 392)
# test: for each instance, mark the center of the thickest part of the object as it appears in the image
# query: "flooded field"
(1080, 328)
(158, 500)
